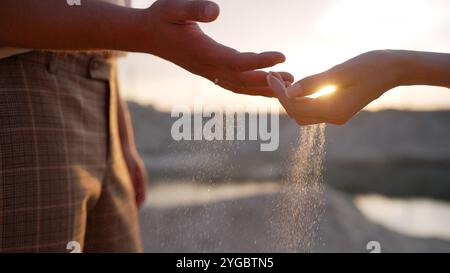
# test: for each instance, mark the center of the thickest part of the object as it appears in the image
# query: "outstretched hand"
(357, 81)
(176, 37)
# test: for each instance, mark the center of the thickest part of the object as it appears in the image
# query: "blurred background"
(387, 172)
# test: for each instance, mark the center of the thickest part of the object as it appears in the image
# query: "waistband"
(91, 65)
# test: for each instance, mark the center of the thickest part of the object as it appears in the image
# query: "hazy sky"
(313, 34)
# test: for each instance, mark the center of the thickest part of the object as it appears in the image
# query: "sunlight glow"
(377, 23)
(324, 91)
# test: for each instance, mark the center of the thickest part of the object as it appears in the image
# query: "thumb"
(276, 83)
(309, 85)
(279, 88)
(197, 10)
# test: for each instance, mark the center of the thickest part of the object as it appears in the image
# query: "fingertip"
(279, 57)
(288, 77)
(274, 57)
(211, 11)
(278, 76)
(295, 90)
(282, 57)
(274, 83)
(271, 80)
(268, 80)
(194, 10)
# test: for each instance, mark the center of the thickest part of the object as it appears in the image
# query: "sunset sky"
(314, 35)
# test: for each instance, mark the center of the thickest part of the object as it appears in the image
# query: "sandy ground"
(236, 218)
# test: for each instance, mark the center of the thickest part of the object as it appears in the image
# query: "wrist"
(405, 67)
(131, 29)
(397, 62)
(130, 32)
(138, 31)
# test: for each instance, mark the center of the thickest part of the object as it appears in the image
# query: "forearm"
(54, 25)
(423, 68)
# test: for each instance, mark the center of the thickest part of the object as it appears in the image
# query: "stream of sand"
(299, 209)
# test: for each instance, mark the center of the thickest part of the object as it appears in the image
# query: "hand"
(358, 82)
(176, 37)
(137, 171)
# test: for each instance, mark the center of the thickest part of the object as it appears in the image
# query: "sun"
(324, 91)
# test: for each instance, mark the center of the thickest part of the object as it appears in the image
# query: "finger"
(233, 60)
(310, 108)
(276, 82)
(287, 77)
(240, 87)
(278, 76)
(197, 10)
(252, 61)
(254, 79)
(140, 187)
(285, 101)
(304, 109)
(289, 105)
(258, 91)
(282, 80)
(225, 58)
(310, 85)
(137, 187)
(308, 121)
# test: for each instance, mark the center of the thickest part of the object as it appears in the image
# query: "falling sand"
(298, 212)
(293, 217)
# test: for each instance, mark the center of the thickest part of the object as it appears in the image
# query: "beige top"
(9, 51)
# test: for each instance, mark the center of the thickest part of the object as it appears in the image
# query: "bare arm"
(423, 68)
(167, 29)
(53, 24)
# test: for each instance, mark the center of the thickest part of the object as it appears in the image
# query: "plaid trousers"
(63, 180)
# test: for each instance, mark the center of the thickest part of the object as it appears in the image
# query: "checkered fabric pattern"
(62, 174)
